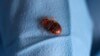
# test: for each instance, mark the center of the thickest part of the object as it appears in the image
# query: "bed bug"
(51, 25)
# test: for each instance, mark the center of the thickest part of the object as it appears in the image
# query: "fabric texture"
(81, 28)
(21, 34)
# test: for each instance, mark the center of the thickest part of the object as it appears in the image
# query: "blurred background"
(94, 9)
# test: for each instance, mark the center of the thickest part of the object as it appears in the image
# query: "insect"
(51, 25)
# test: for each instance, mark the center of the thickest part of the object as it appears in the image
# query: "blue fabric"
(21, 34)
(81, 28)
(94, 9)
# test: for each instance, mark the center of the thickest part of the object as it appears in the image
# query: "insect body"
(51, 25)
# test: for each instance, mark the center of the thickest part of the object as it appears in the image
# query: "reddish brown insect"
(51, 25)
